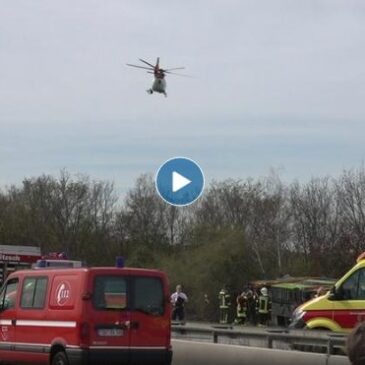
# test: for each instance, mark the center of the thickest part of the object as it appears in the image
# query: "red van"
(83, 316)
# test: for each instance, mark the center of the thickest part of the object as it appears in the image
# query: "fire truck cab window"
(110, 292)
(33, 293)
(8, 295)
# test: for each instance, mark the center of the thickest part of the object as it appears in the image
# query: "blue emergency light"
(119, 261)
(41, 263)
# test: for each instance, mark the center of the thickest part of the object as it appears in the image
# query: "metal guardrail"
(194, 352)
(297, 339)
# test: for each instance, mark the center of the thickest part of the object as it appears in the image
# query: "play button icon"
(180, 181)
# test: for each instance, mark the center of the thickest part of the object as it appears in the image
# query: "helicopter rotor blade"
(145, 68)
(175, 68)
(175, 73)
(146, 63)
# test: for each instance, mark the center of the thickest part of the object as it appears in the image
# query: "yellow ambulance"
(341, 308)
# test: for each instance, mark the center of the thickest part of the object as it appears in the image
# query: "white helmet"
(264, 291)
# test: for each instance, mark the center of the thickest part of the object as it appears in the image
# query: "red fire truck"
(17, 257)
(80, 315)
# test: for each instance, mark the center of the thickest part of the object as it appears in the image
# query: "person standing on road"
(224, 305)
(178, 300)
(251, 307)
(264, 307)
(241, 308)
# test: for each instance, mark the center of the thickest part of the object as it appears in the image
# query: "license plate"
(110, 332)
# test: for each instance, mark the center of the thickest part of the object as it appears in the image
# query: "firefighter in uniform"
(263, 307)
(241, 302)
(224, 304)
(251, 307)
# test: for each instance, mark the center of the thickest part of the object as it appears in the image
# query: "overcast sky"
(277, 84)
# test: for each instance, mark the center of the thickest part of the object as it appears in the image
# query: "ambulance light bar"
(57, 264)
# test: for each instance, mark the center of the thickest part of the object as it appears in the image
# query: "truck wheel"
(60, 358)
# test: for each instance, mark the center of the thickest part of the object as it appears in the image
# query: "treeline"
(240, 230)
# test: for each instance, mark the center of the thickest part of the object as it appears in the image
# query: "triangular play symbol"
(179, 181)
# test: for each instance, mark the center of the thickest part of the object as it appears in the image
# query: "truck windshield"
(110, 292)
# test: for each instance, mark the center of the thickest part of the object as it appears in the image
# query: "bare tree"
(315, 219)
(351, 196)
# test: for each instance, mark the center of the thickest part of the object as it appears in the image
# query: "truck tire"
(60, 358)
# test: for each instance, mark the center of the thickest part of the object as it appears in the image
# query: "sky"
(277, 85)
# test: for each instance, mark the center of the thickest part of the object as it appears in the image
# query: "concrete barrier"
(200, 353)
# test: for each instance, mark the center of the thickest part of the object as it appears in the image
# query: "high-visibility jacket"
(224, 299)
(263, 304)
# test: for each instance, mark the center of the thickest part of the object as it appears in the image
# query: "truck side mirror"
(336, 294)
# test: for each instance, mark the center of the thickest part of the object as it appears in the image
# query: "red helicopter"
(159, 83)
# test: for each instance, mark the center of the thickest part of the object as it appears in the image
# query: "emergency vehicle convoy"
(341, 308)
(80, 315)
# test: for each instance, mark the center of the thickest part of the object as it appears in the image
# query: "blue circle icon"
(180, 181)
